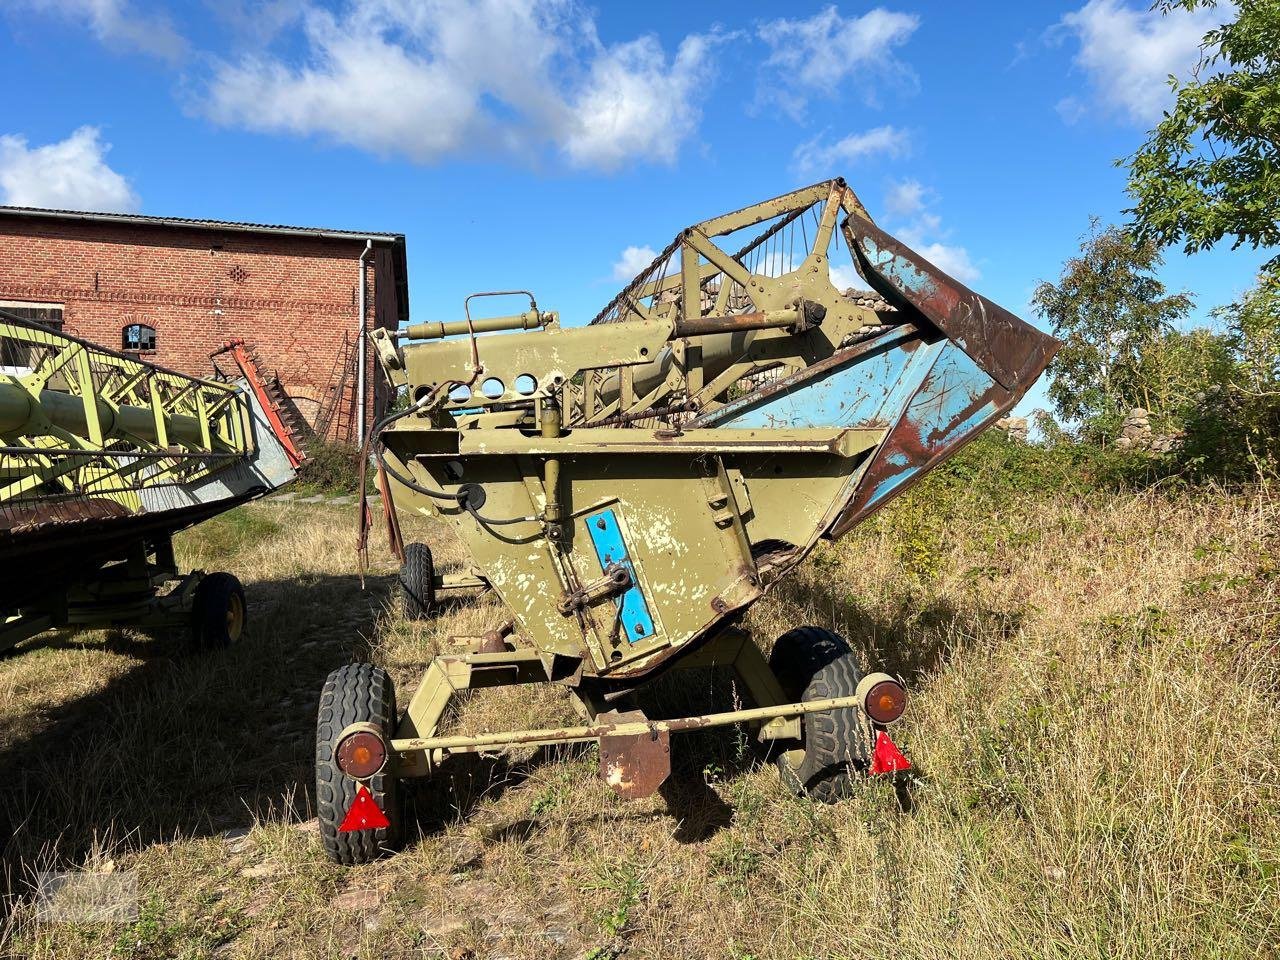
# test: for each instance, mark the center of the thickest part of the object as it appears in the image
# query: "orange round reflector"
(885, 701)
(361, 754)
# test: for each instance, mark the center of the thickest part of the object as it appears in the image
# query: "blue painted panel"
(939, 415)
(870, 392)
(611, 548)
(899, 270)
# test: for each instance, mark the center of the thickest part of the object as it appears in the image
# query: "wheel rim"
(235, 617)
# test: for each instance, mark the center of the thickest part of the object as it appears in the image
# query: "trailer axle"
(484, 742)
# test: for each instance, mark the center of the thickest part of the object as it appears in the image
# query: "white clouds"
(1071, 109)
(922, 230)
(632, 261)
(950, 259)
(636, 105)
(1128, 54)
(844, 277)
(828, 159)
(818, 54)
(905, 198)
(906, 204)
(117, 24)
(69, 175)
(454, 76)
(359, 88)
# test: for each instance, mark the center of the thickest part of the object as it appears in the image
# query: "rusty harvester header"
(630, 487)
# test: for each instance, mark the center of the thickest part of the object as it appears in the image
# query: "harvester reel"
(105, 457)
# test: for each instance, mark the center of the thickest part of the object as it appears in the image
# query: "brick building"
(173, 291)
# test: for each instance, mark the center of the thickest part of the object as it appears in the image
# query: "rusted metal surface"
(759, 408)
(634, 765)
(285, 423)
(390, 516)
(495, 640)
(807, 316)
(803, 378)
(615, 582)
(979, 373)
(652, 413)
(28, 518)
(1012, 351)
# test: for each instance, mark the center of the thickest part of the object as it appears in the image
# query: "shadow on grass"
(463, 781)
(912, 644)
(190, 745)
(185, 744)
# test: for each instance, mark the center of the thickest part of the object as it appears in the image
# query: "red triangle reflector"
(886, 757)
(364, 814)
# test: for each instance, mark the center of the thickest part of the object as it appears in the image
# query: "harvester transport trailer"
(630, 487)
(103, 458)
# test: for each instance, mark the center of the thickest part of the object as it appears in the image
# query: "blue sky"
(530, 143)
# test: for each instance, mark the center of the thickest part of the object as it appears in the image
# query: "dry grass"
(1094, 725)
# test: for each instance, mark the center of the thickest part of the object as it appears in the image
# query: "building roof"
(195, 224)
(394, 240)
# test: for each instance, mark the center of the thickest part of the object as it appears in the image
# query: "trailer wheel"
(356, 693)
(417, 583)
(218, 612)
(815, 664)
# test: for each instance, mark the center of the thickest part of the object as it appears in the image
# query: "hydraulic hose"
(460, 498)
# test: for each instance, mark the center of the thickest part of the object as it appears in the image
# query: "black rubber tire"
(417, 583)
(816, 664)
(356, 693)
(219, 614)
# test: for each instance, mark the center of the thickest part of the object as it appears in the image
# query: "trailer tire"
(816, 664)
(417, 583)
(356, 693)
(218, 612)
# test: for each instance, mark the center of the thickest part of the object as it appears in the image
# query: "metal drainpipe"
(361, 331)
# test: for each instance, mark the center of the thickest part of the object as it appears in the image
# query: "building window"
(49, 314)
(139, 338)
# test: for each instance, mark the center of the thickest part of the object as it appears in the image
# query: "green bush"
(994, 471)
(331, 468)
(1233, 432)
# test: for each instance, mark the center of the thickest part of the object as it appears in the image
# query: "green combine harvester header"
(630, 487)
(103, 457)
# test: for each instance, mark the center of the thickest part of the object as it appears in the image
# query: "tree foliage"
(1234, 429)
(1116, 323)
(1211, 168)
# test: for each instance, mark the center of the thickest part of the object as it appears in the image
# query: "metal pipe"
(734, 322)
(551, 424)
(361, 330)
(434, 330)
(719, 352)
(65, 410)
(514, 738)
(723, 341)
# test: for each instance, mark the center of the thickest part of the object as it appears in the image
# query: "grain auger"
(631, 486)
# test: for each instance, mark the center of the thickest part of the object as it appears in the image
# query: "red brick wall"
(293, 298)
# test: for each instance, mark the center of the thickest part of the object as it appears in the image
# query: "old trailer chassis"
(633, 747)
(144, 590)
